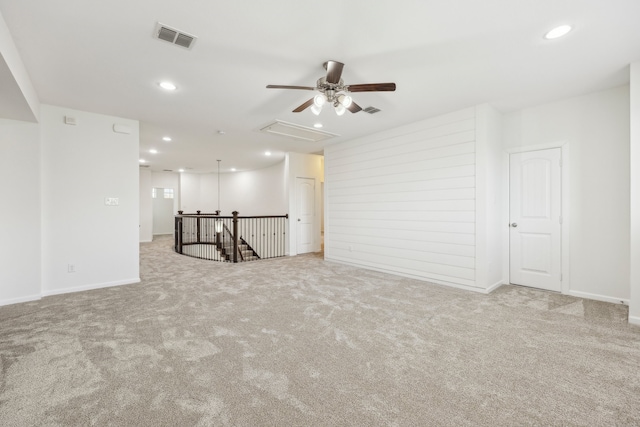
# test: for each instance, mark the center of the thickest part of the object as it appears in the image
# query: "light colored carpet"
(298, 341)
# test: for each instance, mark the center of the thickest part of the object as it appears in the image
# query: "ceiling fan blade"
(334, 71)
(354, 108)
(372, 87)
(290, 87)
(304, 106)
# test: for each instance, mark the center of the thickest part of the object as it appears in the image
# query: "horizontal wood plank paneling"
(424, 185)
(407, 164)
(438, 122)
(410, 244)
(449, 194)
(404, 200)
(412, 266)
(424, 216)
(407, 234)
(400, 178)
(443, 227)
(418, 146)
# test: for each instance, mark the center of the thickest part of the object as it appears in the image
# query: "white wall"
(20, 213)
(303, 166)
(146, 206)
(403, 200)
(596, 128)
(81, 166)
(257, 192)
(24, 103)
(491, 218)
(190, 194)
(634, 116)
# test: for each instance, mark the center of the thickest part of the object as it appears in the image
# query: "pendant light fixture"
(219, 223)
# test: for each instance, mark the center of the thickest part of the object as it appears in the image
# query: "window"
(165, 193)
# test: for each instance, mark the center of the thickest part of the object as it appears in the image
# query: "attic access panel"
(292, 130)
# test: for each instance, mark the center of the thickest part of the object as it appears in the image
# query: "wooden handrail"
(266, 231)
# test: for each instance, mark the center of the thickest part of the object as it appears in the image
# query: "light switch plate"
(111, 201)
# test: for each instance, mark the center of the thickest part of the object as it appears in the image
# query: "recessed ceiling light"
(180, 170)
(558, 32)
(317, 125)
(233, 169)
(166, 138)
(221, 132)
(153, 151)
(142, 161)
(167, 86)
(267, 153)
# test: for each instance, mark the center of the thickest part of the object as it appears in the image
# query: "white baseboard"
(494, 286)
(20, 300)
(146, 241)
(634, 320)
(598, 297)
(416, 277)
(91, 287)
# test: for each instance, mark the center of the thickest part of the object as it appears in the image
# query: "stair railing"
(207, 236)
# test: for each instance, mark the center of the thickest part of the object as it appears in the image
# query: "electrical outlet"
(71, 268)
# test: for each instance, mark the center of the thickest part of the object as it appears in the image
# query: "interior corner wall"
(634, 164)
(403, 201)
(303, 166)
(86, 243)
(596, 127)
(490, 205)
(146, 206)
(20, 259)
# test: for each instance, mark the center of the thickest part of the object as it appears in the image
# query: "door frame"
(564, 203)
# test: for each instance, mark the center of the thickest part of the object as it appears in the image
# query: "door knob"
(513, 224)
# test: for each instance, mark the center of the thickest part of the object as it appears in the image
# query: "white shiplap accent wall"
(403, 201)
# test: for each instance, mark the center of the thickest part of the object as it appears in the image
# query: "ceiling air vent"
(174, 36)
(371, 110)
(292, 130)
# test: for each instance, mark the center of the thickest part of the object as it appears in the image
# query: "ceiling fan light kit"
(333, 91)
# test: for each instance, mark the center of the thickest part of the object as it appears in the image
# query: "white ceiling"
(100, 56)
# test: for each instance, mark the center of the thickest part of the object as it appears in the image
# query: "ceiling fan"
(334, 92)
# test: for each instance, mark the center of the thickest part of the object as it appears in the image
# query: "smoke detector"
(174, 36)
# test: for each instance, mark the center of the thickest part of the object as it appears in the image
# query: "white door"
(305, 200)
(535, 219)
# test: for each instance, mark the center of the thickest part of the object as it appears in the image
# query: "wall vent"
(292, 130)
(144, 166)
(371, 110)
(174, 36)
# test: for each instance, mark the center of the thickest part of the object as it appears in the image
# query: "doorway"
(535, 219)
